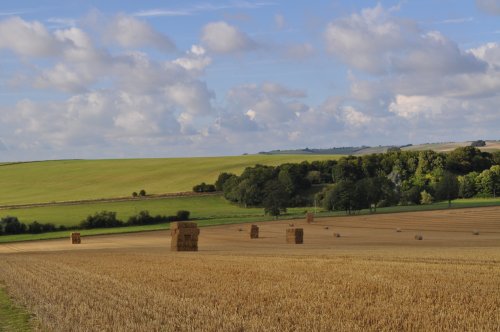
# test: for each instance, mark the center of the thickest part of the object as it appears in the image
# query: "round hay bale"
(419, 237)
(336, 234)
(475, 232)
(398, 230)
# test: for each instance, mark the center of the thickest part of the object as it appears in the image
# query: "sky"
(131, 79)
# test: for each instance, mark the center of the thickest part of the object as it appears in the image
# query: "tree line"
(105, 219)
(353, 183)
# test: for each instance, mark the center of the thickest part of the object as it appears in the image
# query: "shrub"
(204, 188)
(426, 198)
(11, 225)
(134, 194)
(101, 219)
(142, 218)
(183, 215)
(142, 193)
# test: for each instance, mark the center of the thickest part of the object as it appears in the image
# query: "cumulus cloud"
(221, 37)
(130, 32)
(195, 59)
(30, 39)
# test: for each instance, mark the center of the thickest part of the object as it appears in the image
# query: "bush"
(142, 193)
(142, 218)
(11, 225)
(101, 219)
(183, 215)
(426, 198)
(204, 188)
(134, 194)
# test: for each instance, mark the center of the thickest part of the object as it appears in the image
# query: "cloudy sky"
(107, 79)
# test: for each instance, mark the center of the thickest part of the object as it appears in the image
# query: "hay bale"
(398, 230)
(419, 237)
(326, 227)
(295, 235)
(309, 217)
(475, 232)
(254, 232)
(75, 238)
(336, 234)
(184, 236)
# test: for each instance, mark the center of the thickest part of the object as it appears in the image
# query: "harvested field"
(373, 278)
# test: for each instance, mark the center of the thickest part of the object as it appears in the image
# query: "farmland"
(370, 278)
(68, 180)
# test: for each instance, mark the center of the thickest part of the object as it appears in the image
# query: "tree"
(142, 192)
(467, 185)
(221, 180)
(447, 187)
(134, 194)
(276, 198)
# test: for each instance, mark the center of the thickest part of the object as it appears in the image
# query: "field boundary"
(110, 200)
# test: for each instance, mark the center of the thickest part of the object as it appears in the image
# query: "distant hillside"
(491, 145)
(63, 180)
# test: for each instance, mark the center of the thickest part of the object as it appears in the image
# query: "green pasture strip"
(68, 180)
(254, 215)
(12, 317)
(201, 207)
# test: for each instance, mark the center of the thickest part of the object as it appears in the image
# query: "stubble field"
(370, 278)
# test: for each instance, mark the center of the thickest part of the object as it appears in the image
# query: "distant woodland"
(366, 182)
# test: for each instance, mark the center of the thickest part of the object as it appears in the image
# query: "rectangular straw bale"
(75, 238)
(295, 235)
(309, 217)
(254, 232)
(184, 236)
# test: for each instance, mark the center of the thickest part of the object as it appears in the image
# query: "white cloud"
(195, 59)
(130, 32)
(221, 37)
(27, 38)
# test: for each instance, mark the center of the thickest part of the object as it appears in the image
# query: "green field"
(67, 180)
(202, 207)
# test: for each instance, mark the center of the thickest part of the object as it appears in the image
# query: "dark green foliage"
(221, 180)
(478, 143)
(376, 179)
(204, 188)
(142, 192)
(11, 225)
(36, 228)
(182, 215)
(134, 194)
(447, 187)
(468, 159)
(276, 198)
(103, 219)
(348, 169)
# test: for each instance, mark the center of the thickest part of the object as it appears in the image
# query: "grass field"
(370, 279)
(66, 180)
(12, 317)
(208, 210)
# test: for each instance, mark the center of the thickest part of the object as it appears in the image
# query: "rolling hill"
(68, 180)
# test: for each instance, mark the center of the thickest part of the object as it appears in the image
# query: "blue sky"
(95, 79)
